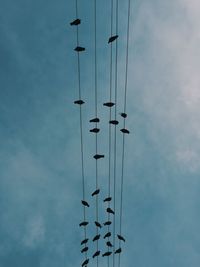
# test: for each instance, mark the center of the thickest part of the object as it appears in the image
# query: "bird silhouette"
(79, 49)
(114, 122)
(96, 254)
(108, 223)
(97, 156)
(98, 224)
(112, 38)
(125, 131)
(75, 22)
(79, 102)
(124, 115)
(85, 203)
(107, 199)
(107, 235)
(96, 238)
(109, 244)
(85, 263)
(84, 241)
(83, 224)
(107, 254)
(109, 210)
(84, 249)
(95, 120)
(109, 104)
(95, 130)
(96, 192)
(121, 238)
(119, 250)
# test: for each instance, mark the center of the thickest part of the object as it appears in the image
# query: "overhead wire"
(115, 132)
(124, 125)
(110, 117)
(96, 115)
(81, 127)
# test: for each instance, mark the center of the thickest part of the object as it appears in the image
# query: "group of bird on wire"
(110, 245)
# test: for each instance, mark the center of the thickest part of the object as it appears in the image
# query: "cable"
(124, 124)
(96, 98)
(81, 128)
(115, 133)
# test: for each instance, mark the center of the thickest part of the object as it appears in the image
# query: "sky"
(40, 172)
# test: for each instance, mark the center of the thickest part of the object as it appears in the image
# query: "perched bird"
(85, 203)
(108, 223)
(96, 238)
(98, 224)
(107, 199)
(95, 120)
(107, 235)
(109, 210)
(97, 156)
(75, 22)
(107, 254)
(79, 49)
(119, 250)
(96, 192)
(84, 241)
(125, 131)
(109, 244)
(112, 38)
(84, 249)
(124, 115)
(79, 102)
(95, 130)
(83, 224)
(114, 122)
(121, 238)
(96, 254)
(85, 263)
(109, 104)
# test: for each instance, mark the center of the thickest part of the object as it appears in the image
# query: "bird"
(109, 244)
(79, 102)
(95, 130)
(107, 254)
(97, 156)
(96, 192)
(112, 38)
(85, 203)
(125, 131)
(107, 235)
(96, 254)
(107, 199)
(79, 49)
(119, 250)
(114, 122)
(95, 120)
(75, 22)
(109, 104)
(84, 241)
(96, 238)
(109, 210)
(85, 262)
(108, 223)
(124, 115)
(83, 224)
(98, 224)
(84, 249)
(121, 238)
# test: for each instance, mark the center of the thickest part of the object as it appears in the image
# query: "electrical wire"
(124, 125)
(81, 127)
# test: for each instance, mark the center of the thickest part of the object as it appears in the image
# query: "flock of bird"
(111, 248)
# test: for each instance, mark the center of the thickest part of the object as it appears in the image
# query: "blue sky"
(40, 184)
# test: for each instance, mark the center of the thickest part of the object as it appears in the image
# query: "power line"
(124, 125)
